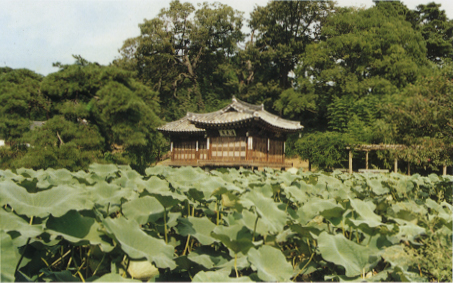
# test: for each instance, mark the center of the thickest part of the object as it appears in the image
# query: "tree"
(324, 150)
(437, 30)
(20, 102)
(283, 29)
(180, 48)
(424, 119)
(97, 114)
(362, 53)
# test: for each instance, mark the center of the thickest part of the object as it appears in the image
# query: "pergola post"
(366, 160)
(444, 171)
(408, 169)
(396, 165)
(350, 161)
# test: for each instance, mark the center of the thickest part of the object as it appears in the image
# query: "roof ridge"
(248, 105)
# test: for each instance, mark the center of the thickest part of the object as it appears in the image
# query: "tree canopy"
(93, 113)
(349, 75)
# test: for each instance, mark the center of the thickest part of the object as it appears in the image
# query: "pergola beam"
(368, 147)
(350, 161)
(366, 160)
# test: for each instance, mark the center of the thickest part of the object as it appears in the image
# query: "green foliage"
(320, 227)
(283, 31)
(377, 75)
(93, 113)
(20, 103)
(183, 52)
(423, 117)
(437, 31)
(324, 150)
(362, 53)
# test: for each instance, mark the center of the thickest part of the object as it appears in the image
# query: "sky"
(36, 33)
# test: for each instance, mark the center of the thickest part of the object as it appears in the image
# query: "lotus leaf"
(78, 229)
(137, 244)
(114, 277)
(9, 258)
(200, 228)
(270, 263)
(237, 238)
(216, 276)
(13, 222)
(57, 201)
(365, 213)
(355, 258)
(208, 258)
(143, 210)
(315, 206)
(270, 215)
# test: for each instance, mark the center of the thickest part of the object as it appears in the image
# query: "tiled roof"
(235, 113)
(182, 125)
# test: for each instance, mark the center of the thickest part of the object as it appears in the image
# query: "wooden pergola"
(373, 147)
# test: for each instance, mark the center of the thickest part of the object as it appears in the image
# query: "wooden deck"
(238, 163)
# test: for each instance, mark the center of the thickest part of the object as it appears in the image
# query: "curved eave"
(226, 124)
(170, 132)
(181, 126)
(281, 129)
(244, 122)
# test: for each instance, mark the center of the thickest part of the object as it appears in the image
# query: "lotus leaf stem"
(305, 266)
(77, 266)
(165, 224)
(254, 227)
(99, 265)
(61, 258)
(47, 264)
(22, 255)
(236, 264)
(217, 214)
(187, 245)
(127, 266)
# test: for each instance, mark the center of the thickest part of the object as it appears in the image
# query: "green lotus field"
(186, 224)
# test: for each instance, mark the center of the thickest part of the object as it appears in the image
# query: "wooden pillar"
(350, 162)
(396, 165)
(197, 152)
(284, 150)
(408, 169)
(268, 148)
(250, 148)
(444, 171)
(208, 149)
(366, 160)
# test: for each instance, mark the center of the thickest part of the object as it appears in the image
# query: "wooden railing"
(230, 151)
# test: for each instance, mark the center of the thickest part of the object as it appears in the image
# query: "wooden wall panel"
(187, 150)
(259, 152)
(276, 153)
(228, 148)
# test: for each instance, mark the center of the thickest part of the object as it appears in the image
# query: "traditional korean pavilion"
(241, 134)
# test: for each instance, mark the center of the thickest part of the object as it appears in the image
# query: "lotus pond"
(185, 224)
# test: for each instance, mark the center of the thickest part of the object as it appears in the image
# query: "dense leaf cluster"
(113, 224)
(367, 76)
(87, 113)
